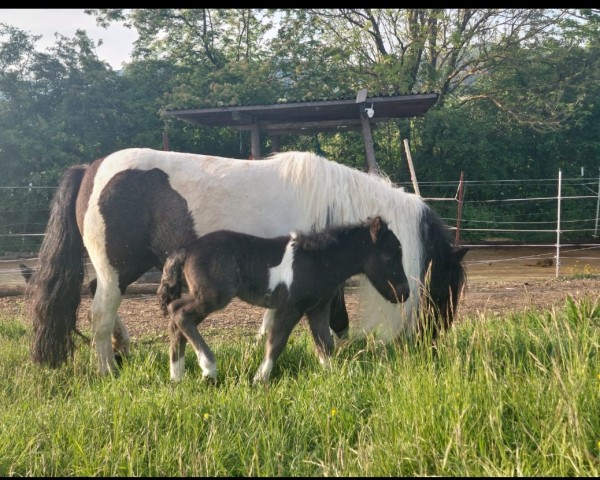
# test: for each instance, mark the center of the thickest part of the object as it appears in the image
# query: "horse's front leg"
(318, 320)
(284, 321)
(338, 315)
(186, 314)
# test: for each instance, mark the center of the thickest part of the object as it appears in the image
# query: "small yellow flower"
(205, 416)
(333, 412)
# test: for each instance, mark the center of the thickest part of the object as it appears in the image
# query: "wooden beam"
(241, 117)
(295, 126)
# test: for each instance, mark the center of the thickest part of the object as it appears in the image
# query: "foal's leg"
(267, 323)
(120, 338)
(176, 351)
(284, 321)
(186, 314)
(338, 316)
(318, 321)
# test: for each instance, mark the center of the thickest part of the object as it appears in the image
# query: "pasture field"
(502, 395)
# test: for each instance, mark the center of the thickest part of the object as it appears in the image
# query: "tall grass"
(517, 395)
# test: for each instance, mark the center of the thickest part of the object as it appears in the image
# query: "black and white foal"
(294, 275)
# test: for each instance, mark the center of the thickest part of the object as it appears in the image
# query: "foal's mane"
(318, 240)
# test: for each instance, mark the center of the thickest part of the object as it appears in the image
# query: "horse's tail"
(171, 282)
(54, 290)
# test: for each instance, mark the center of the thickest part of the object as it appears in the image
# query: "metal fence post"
(558, 223)
(597, 206)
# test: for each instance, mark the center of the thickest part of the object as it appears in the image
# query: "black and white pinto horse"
(294, 275)
(132, 209)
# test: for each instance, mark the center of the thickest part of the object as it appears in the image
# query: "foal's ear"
(378, 227)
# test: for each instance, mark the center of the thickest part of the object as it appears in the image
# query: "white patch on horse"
(284, 272)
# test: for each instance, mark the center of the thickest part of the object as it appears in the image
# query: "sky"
(118, 40)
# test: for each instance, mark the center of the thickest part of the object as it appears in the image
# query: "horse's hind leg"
(318, 320)
(284, 321)
(186, 314)
(176, 351)
(106, 302)
(120, 335)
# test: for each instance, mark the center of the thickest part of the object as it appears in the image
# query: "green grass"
(517, 395)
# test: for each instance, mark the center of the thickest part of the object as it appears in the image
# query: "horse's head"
(384, 264)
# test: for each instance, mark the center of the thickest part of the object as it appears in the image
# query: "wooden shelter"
(311, 117)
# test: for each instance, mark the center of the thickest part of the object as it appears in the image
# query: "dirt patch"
(500, 281)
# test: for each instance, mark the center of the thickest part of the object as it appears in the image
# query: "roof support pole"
(274, 143)
(370, 164)
(255, 141)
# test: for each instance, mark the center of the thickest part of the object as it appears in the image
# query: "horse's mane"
(330, 193)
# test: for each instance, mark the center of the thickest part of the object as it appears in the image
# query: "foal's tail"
(171, 282)
(54, 290)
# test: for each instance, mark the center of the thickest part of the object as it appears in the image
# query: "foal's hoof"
(343, 335)
(119, 360)
(260, 380)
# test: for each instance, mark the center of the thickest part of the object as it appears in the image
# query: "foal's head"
(384, 263)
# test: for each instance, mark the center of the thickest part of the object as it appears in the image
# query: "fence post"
(558, 223)
(460, 205)
(597, 206)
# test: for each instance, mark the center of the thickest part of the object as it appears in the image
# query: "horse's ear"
(459, 253)
(378, 226)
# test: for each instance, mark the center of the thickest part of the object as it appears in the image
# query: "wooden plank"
(413, 176)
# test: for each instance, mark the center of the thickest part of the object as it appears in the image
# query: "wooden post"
(460, 205)
(370, 163)
(412, 168)
(255, 142)
(165, 141)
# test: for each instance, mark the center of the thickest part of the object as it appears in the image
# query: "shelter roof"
(305, 117)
